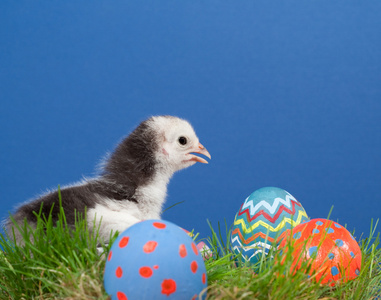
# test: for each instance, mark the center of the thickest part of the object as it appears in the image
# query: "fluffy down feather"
(133, 182)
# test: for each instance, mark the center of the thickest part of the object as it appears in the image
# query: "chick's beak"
(201, 150)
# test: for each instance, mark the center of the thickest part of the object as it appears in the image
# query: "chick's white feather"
(119, 215)
(133, 184)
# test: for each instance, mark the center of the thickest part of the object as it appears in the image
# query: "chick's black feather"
(133, 162)
(131, 165)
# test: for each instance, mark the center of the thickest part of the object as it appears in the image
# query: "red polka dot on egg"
(124, 241)
(168, 286)
(203, 278)
(109, 256)
(159, 225)
(121, 296)
(119, 272)
(149, 246)
(194, 266)
(145, 272)
(182, 250)
(194, 249)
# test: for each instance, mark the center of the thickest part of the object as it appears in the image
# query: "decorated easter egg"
(204, 248)
(262, 218)
(205, 251)
(330, 249)
(154, 259)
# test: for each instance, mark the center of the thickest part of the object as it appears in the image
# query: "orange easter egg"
(334, 254)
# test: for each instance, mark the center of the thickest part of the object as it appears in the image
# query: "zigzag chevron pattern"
(258, 245)
(293, 223)
(271, 208)
(267, 216)
(251, 238)
(251, 250)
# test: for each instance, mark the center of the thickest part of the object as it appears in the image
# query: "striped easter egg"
(263, 217)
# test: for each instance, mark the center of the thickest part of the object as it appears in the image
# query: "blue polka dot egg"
(154, 259)
(263, 217)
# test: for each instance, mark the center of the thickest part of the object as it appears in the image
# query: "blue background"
(281, 93)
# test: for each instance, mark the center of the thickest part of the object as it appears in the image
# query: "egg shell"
(201, 246)
(334, 254)
(263, 217)
(204, 250)
(154, 259)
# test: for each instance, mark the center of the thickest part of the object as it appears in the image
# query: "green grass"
(274, 278)
(63, 263)
(60, 263)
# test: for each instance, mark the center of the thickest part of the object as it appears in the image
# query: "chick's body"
(133, 183)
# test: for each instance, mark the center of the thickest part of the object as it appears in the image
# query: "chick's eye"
(183, 140)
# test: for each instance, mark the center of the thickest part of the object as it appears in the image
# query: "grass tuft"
(56, 261)
(62, 262)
